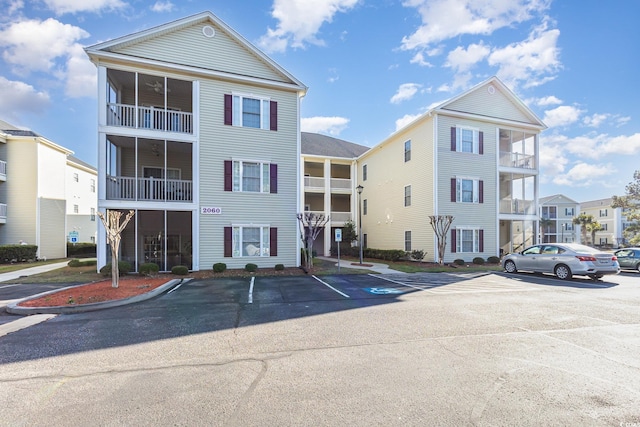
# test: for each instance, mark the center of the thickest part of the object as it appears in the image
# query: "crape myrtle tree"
(630, 204)
(441, 225)
(114, 227)
(583, 220)
(311, 224)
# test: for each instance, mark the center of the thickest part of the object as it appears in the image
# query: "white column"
(327, 206)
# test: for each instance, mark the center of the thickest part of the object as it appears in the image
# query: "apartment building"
(611, 219)
(199, 135)
(474, 157)
(556, 219)
(38, 194)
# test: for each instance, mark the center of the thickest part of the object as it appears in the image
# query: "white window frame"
(407, 150)
(475, 143)
(76, 209)
(365, 172)
(407, 198)
(365, 207)
(92, 185)
(238, 110)
(568, 211)
(407, 241)
(240, 250)
(475, 239)
(238, 176)
(76, 177)
(475, 196)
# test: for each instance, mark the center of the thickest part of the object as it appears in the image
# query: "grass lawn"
(8, 268)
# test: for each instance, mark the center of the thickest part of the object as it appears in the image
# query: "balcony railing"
(149, 118)
(151, 189)
(319, 183)
(313, 182)
(3, 213)
(336, 216)
(518, 207)
(3, 170)
(517, 160)
(340, 184)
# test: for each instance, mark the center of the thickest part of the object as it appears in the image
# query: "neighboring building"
(559, 210)
(474, 157)
(82, 201)
(199, 134)
(329, 169)
(609, 218)
(35, 193)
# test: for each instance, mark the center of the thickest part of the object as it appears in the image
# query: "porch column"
(327, 206)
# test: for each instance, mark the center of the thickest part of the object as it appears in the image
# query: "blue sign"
(383, 291)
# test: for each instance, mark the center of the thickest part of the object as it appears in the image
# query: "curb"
(13, 307)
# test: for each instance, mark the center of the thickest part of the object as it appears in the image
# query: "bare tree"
(311, 224)
(441, 225)
(114, 229)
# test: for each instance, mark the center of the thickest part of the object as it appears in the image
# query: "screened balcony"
(339, 181)
(517, 149)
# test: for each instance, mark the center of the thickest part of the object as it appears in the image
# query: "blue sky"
(371, 66)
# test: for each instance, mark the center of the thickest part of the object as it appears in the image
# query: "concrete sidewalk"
(12, 275)
(373, 266)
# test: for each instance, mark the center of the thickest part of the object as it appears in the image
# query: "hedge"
(17, 253)
(81, 250)
(123, 268)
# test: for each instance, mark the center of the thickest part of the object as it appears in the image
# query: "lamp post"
(359, 188)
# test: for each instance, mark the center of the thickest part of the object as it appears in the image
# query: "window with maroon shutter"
(273, 112)
(228, 175)
(481, 240)
(453, 139)
(453, 241)
(273, 237)
(228, 242)
(481, 143)
(273, 178)
(453, 190)
(228, 110)
(481, 191)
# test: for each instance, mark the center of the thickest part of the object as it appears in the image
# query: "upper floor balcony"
(517, 150)
(3, 170)
(314, 183)
(3, 213)
(142, 101)
(316, 173)
(517, 160)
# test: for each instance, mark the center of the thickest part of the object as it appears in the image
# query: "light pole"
(359, 188)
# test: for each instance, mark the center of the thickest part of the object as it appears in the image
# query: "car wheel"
(638, 267)
(563, 272)
(510, 267)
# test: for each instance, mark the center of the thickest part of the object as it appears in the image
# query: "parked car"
(564, 260)
(629, 258)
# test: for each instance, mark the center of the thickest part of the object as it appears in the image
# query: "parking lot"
(399, 349)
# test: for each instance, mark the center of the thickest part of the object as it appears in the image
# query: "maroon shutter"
(453, 190)
(481, 143)
(481, 191)
(273, 178)
(228, 109)
(273, 241)
(228, 241)
(453, 139)
(273, 113)
(228, 175)
(481, 242)
(453, 241)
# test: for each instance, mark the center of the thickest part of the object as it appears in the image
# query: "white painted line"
(173, 289)
(251, 289)
(377, 276)
(24, 322)
(331, 287)
(9, 286)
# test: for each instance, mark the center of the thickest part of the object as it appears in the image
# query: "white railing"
(149, 118)
(152, 189)
(313, 182)
(340, 184)
(517, 160)
(517, 206)
(3, 168)
(340, 216)
(3, 210)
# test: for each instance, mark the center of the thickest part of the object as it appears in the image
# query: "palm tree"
(545, 223)
(593, 228)
(583, 220)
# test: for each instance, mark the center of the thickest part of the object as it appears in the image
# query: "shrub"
(149, 268)
(493, 260)
(250, 267)
(478, 260)
(279, 267)
(418, 255)
(458, 261)
(384, 254)
(17, 253)
(123, 268)
(74, 263)
(81, 250)
(180, 270)
(77, 263)
(219, 267)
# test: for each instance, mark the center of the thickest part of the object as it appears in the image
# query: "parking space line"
(331, 287)
(253, 278)
(398, 282)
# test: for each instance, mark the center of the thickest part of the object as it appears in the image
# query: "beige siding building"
(199, 132)
(611, 219)
(82, 201)
(556, 216)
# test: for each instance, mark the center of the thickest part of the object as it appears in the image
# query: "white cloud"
(446, 19)
(595, 120)
(162, 6)
(14, 6)
(584, 175)
(18, 97)
(548, 100)
(328, 125)
(461, 59)
(61, 7)
(418, 58)
(405, 92)
(621, 121)
(405, 120)
(82, 77)
(561, 116)
(533, 61)
(621, 145)
(299, 21)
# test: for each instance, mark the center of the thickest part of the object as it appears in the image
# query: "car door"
(548, 258)
(529, 258)
(625, 258)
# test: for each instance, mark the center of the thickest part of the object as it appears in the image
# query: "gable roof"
(562, 197)
(327, 146)
(109, 50)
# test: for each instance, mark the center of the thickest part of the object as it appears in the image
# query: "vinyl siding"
(220, 52)
(483, 103)
(388, 174)
(53, 242)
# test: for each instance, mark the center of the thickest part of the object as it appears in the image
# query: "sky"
(371, 67)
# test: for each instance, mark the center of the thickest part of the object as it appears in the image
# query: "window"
(603, 212)
(250, 241)
(93, 214)
(92, 186)
(364, 241)
(253, 177)
(364, 172)
(364, 207)
(467, 240)
(467, 140)
(604, 226)
(75, 208)
(407, 241)
(549, 212)
(407, 151)
(75, 177)
(568, 211)
(407, 195)
(250, 111)
(467, 190)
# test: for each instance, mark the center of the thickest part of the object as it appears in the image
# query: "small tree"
(113, 227)
(311, 224)
(545, 223)
(593, 228)
(441, 225)
(630, 204)
(349, 235)
(583, 220)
